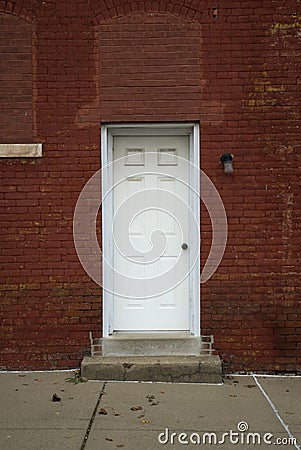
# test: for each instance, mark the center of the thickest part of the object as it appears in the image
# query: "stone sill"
(20, 150)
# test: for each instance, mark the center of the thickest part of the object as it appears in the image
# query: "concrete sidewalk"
(105, 416)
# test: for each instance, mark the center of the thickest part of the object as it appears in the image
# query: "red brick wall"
(16, 80)
(240, 76)
(251, 79)
(149, 69)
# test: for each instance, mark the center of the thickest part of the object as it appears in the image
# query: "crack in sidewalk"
(276, 412)
(102, 392)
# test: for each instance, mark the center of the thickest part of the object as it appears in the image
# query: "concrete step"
(152, 344)
(186, 369)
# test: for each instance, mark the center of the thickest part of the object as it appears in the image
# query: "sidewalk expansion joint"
(102, 392)
(276, 412)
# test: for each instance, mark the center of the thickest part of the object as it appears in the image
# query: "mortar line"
(276, 412)
(93, 417)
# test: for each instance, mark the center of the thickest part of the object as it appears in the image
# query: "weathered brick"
(238, 74)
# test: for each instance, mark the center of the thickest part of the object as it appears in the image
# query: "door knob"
(184, 246)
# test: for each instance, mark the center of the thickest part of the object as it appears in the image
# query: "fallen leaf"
(77, 379)
(136, 408)
(144, 421)
(103, 412)
(56, 398)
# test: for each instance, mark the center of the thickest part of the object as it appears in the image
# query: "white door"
(150, 226)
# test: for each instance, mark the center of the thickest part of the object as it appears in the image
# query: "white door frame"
(108, 131)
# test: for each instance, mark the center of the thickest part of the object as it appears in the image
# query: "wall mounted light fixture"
(227, 160)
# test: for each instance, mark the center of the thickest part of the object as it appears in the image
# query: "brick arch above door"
(105, 11)
(24, 9)
(149, 69)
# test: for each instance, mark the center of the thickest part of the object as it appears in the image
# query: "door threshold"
(151, 335)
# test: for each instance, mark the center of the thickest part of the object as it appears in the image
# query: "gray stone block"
(187, 369)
